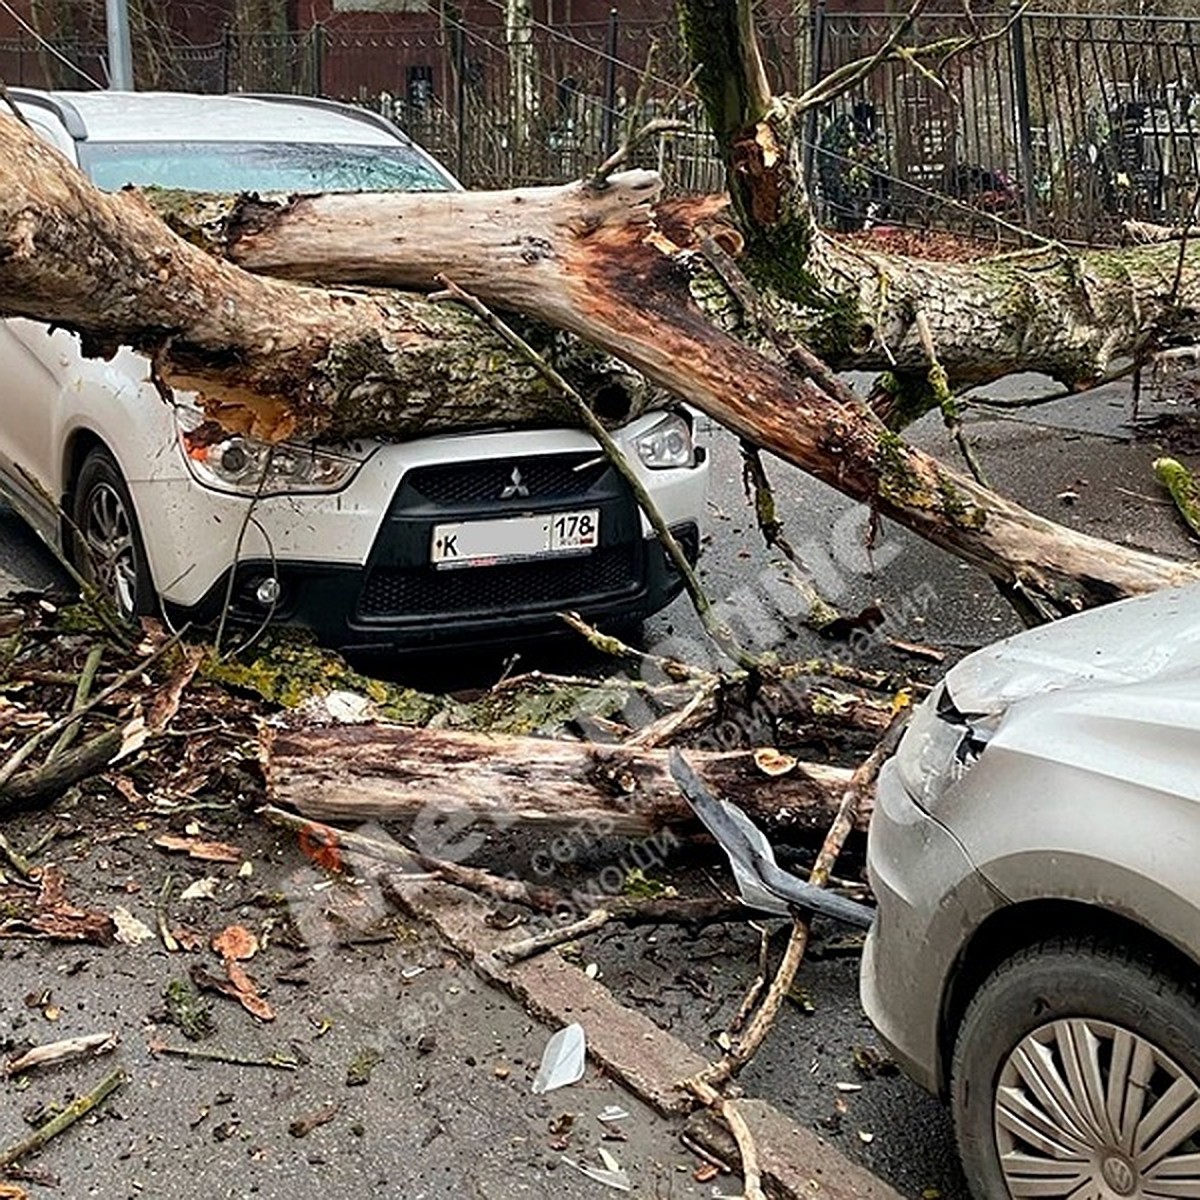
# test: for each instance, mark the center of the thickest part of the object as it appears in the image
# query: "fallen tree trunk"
(265, 356)
(389, 772)
(599, 265)
(1065, 313)
(292, 358)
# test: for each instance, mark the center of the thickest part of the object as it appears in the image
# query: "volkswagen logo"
(515, 486)
(1119, 1174)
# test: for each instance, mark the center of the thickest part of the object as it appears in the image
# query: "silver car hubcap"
(1089, 1110)
(108, 534)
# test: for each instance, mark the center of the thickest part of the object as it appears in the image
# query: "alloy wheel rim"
(108, 534)
(1091, 1110)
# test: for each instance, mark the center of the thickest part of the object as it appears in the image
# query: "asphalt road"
(1078, 465)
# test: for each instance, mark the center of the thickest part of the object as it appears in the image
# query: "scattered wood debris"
(90, 1045)
(45, 912)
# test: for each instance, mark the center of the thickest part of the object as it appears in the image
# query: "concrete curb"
(625, 1044)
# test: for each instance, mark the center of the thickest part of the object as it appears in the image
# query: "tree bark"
(389, 772)
(1068, 314)
(267, 357)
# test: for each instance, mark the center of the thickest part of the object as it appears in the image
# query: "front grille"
(555, 477)
(512, 588)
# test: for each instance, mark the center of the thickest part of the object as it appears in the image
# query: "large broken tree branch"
(265, 356)
(602, 265)
(389, 772)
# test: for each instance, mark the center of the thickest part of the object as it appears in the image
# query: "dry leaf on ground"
(235, 942)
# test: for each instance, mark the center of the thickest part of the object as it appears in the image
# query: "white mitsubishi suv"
(475, 537)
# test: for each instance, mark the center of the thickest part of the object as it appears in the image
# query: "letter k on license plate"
(514, 539)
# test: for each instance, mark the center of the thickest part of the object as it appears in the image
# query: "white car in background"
(479, 536)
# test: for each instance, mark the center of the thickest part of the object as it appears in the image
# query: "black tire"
(1116, 998)
(107, 539)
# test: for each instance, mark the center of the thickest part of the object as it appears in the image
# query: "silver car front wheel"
(108, 542)
(1087, 1108)
(1077, 1074)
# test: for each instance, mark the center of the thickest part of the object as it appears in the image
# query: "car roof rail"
(64, 110)
(365, 115)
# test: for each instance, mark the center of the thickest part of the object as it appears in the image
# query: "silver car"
(1035, 852)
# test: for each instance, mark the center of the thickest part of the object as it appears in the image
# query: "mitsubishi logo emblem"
(515, 486)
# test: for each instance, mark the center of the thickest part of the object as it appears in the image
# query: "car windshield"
(260, 167)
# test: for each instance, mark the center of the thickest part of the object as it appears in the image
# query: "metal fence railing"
(1068, 123)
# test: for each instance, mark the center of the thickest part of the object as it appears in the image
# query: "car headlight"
(249, 467)
(931, 755)
(667, 444)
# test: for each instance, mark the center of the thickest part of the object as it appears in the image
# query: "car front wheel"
(1077, 1073)
(109, 548)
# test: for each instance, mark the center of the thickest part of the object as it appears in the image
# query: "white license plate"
(514, 539)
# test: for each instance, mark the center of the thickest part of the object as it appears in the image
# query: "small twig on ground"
(516, 952)
(672, 724)
(277, 1062)
(670, 544)
(162, 916)
(303, 1126)
(330, 843)
(760, 981)
(607, 643)
(1123, 491)
(875, 681)
(65, 1119)
(727, 1110)
(15, 859)
(40, 843)
(691, 713)
(83, 686)
(90, 1045)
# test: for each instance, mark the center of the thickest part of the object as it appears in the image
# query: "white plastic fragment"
(130, 931)
(563, 1060)
(613, 1177)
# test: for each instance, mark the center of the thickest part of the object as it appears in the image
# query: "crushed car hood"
(1135, 640)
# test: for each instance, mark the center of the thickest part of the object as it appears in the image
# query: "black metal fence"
(1066, 123)
(1069, 123)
